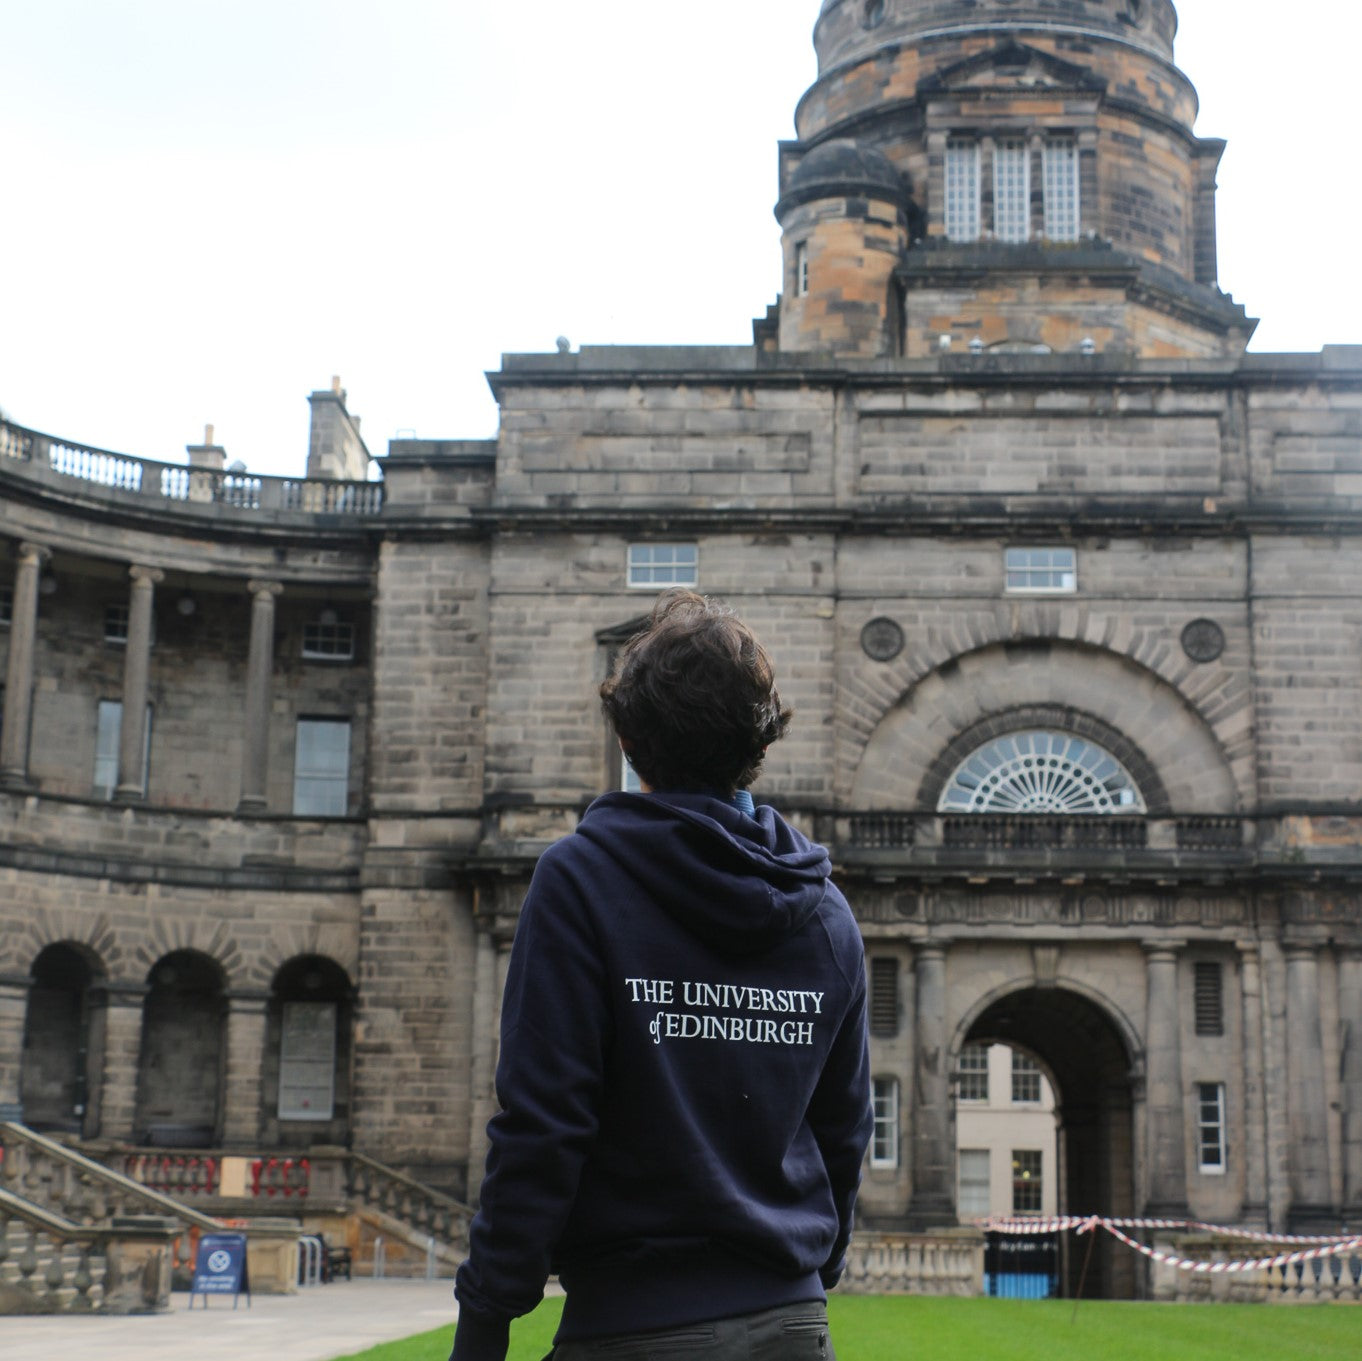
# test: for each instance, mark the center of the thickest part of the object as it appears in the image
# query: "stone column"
(1350, 1017)
(1255, 1208)
(132, 734)
(13, 1012)
(1166, 1144)
(23, 636)
(241, 1093)
(1307, 1100)
(259, 683)
(933, 1203)
(493, 960)
(122, 1052)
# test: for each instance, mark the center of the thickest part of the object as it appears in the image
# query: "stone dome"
(841, 167)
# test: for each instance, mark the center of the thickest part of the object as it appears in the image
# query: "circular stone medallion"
(882, 639)
(1203, 640)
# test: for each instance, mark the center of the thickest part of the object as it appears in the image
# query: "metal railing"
(187, 487)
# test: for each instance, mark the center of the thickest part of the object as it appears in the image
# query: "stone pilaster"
(132, 735)
(1350, 1017)
(1307, 1099)
(122, 1051)
(259, 683)
(1255, 1208)
(13, 1011)
(933, 1203)
(23, 638)
(1166, 1145)
(493, 960)
(246, 1025)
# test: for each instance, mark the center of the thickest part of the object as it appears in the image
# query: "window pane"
(1052, 571)
(974, 1184)
(108, 730)
(973, 1073)
(962, 190)
(1061, 190)
(1026, 1181)
(307, 1061)
(1211, 1126)
(321, 768)
(1025, 1078)
(884, 1145)
(1011, 191)
(663, 564)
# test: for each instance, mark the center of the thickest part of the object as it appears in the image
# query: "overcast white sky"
(211, 206)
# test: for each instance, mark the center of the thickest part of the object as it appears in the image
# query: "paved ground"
(317, 1324)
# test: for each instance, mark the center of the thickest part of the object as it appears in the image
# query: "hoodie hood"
(740, 883)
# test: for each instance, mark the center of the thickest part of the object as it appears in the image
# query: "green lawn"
(884, 1328)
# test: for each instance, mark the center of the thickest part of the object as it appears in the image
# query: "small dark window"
(1210, 1001)
(884, 995)
(115, 623)
(329, 638)
(6, 606)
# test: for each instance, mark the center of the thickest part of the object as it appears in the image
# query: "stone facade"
(1187, 971)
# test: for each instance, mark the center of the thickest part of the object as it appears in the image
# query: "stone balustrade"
(1321, 1280)
(949, 1262)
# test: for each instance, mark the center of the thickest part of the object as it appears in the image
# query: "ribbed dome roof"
(842, 163)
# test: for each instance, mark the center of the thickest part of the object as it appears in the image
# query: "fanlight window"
(1041, 772)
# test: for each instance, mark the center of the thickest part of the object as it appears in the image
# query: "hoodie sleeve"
(842, 1119)
(554, 1037)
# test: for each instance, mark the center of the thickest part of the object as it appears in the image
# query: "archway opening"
(180, 1069)
(308, 1054)
(55, 1069)
(1082, 1054)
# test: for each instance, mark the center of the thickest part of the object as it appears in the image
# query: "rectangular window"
(328, 638)
(6, 606)
(1061, 189)
(884, 995)
(962, 189)
(652, 565)
(973, 1072)
(1011, 190)
(1025, 1079)
(1041, 571)
(115, 623)
(307, 1061)
(1026, 1181)
(884, 1143)
(1209, 998)
(974, 1197)
(321, 768)
(1210, 1097)
(802, 269)
(108, 734)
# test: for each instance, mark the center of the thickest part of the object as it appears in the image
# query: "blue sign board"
(220, 1268)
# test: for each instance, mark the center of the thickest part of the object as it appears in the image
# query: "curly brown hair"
(693, 698)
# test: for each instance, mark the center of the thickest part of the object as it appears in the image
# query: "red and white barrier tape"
(1322, 1246)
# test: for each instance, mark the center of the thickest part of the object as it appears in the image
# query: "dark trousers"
(794, 1332)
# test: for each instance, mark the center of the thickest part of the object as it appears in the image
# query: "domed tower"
(1046, 180)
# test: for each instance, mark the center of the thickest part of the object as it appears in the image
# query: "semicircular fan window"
(1040, 772)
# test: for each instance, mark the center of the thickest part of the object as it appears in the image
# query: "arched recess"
(180, 1067)
(63, 1045)
(1005, 686)
(309, 1047)
(1089, 1055)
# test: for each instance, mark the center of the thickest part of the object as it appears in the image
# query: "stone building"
(1061, 581)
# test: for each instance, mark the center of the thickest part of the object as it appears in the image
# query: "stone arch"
(92, 935)
(61, 1058)
(336, 942)
(212, 935)
(311, 1000)
(1091, 1053)
(1080, 687)
(183, 1052)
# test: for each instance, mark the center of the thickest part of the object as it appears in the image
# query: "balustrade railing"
(53, 1265)
(403, 1198)
(172, 482)
(946, 1263)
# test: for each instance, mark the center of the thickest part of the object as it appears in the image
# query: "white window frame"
(884, 1140)
(1063, 210)
(1049, 569)
(1012, 190)
(1027, 1088)
(962, 216)
(116, 622)
(974, 1205)
(802, 269)
(323, 790)
(1212, 1153)
(307, 1061)
(655, 566)
(976, 1067)
(108, 738)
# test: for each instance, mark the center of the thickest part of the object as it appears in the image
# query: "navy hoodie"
(683, 1078)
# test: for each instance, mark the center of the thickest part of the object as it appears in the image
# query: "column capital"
(1303, 951)
(35, 554)
(146, 576)
(265, 589)
(1162, 949)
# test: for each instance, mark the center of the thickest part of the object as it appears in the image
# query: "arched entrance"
(1090, 1064)
(60, 1037)
(179, 1072)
